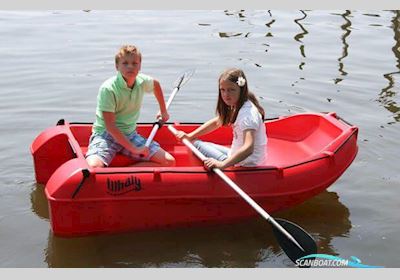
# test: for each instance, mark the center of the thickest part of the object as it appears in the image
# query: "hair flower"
(241, 81)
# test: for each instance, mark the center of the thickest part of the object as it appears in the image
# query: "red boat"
(306, 153)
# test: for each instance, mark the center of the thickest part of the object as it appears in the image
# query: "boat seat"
(183, 156)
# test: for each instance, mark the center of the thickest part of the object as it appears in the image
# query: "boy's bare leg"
(94, 161)
(160, 158)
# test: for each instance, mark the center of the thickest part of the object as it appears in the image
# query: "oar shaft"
(244, 195)
(178, 84)
(238, 190)
(255, 206)
(152, 134)
(171, 97)
(156, 126)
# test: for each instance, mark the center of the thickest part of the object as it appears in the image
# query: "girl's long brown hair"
(226, 114)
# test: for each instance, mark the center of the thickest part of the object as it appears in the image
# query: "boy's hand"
(164, 116)
(143, 151)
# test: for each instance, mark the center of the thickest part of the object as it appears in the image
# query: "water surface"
(52, 63)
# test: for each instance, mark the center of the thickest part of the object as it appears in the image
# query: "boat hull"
(85, 201)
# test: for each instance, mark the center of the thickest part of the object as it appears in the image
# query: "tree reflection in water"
(388, 93)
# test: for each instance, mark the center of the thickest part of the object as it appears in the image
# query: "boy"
(118, 108)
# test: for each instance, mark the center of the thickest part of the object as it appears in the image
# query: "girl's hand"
(164, 116)
(180, 135)
(210, 163)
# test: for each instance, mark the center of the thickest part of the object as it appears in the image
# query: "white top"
(249, 118)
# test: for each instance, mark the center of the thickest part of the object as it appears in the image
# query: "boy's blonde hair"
(127, 50)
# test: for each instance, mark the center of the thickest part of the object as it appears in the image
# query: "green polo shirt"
(115, 96)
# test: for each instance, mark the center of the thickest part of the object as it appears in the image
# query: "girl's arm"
(241, 154)
(205, 128)
(161, 102)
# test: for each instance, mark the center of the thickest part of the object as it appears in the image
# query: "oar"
(184, 77)
(294, 240)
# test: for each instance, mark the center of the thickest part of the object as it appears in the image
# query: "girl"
(237, 107)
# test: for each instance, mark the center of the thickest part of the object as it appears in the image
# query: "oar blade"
(183, 78)
(300, 235)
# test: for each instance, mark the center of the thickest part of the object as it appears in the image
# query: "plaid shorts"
(105, 147)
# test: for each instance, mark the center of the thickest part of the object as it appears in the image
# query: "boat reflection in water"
(39, 202)
(244, 244)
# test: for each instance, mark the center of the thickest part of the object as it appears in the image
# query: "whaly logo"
(118, 187)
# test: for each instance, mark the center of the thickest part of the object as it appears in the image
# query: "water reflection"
(269, 24)
(241, 17)
(324, 217)
(298, 37)
(246, 244)
(388, 93)
(231, 34)
(240, 14)
(222, 246)
(39, 202)
(345, 52)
